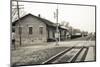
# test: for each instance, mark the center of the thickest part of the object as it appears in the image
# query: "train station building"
(34, 29)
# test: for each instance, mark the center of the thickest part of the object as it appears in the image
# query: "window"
(53, 34)
(20, 30)
(41, 30)
(30, 30)
(13, 28)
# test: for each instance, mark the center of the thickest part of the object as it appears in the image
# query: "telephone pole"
(18, 14)
(20, 42)
(57, 29)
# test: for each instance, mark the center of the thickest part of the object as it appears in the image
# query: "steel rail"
(56, 56)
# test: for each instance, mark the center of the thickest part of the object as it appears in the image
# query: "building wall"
(52, 31)
(35, 37)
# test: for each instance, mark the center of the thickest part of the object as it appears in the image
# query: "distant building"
(35, 29)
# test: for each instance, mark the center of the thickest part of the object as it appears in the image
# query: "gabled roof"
(47, 22)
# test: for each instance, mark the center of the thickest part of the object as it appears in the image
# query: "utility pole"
(19, 24)
(57, 30)
(58, 24)
(20, 29)
(18, 14)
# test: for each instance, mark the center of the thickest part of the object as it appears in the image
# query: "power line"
(54, 3)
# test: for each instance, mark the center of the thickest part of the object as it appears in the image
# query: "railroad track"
(71, 54)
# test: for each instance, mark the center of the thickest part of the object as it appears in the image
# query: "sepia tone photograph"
(52, 33)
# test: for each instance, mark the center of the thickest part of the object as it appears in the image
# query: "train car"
(76, 35)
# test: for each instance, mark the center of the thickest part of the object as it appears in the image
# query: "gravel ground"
(24, 57)
(38, 54)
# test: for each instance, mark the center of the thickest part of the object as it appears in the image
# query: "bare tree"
(64, 23)
(15, 11)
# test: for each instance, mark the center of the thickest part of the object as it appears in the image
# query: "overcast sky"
(81, 17)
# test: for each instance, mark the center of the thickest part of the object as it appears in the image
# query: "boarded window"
(41, 30)
(53, 34)
(20, 30)
(30, 30)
